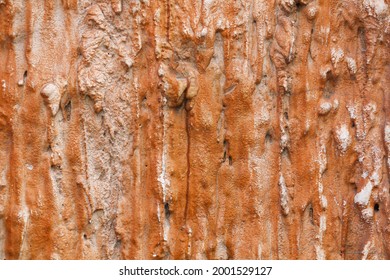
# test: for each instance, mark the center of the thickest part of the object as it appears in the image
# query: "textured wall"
(194, 129)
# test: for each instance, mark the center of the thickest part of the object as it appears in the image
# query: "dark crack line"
(188, 165)
(168, 19)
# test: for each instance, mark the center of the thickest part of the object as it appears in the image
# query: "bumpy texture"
(194, 129)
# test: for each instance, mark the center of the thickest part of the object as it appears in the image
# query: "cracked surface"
(138, 129)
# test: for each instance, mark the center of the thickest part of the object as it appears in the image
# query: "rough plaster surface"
(194, 129)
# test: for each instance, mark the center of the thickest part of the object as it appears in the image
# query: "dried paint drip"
(52, 97)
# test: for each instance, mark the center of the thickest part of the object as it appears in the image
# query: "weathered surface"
(185, 129)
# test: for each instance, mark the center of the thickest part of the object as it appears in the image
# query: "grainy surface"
(194, 129)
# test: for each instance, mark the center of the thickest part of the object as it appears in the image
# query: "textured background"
(194, 129)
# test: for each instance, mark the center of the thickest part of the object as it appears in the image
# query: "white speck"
(166, 229)
(375, 7)
(324, 72)
(337, 55)
(320, 187)
(325, 108)
(322, 226)
(367, 213)
(157, 15)
(351, 64)
(166, 87)
(335, 104)
(163, 178)
(283, 195)
(307, 125)
(375, 178)
(20, 82)
(285, 84)
(343, 138)
(23, 214)
(3, 85)
(371, 109)
(208, 2)
(312, 11)
(161, 71)
(352, 111)
(324, 202)
(363, 196)
(322, 159)
(259, 251)
(219, 24)
(324, 32)
(221, 250)
(284, 141)
(264, 116)
(366, 250)
(320, 253)
(29, 166)
(158, 213)
(203, 33)
(290, 56)
(387, 134)
(129, 62)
